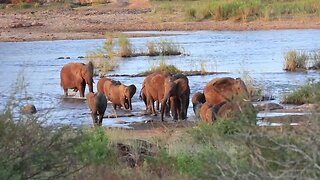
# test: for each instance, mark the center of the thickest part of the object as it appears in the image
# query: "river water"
(237, 53)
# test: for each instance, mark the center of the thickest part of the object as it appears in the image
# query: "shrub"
(125, 46)
(163, 67)
(163, 47)
(295, 61)
(308, 93)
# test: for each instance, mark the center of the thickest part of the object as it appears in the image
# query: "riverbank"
(93, 22)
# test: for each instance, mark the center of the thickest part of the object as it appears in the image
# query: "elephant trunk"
(89, 79)
(129, 102)
(164, 106)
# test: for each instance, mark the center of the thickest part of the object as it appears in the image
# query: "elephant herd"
(221, 97)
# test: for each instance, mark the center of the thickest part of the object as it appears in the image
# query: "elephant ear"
(132, 90)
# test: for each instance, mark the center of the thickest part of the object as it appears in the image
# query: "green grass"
(241, 10)
(308, 93)
(163, 67)
(163, 47)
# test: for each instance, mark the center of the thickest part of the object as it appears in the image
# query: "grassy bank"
(239, 10)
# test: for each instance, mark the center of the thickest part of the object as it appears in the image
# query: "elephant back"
(100, 84)
(225, 89)
(108, 83)
(69, 75)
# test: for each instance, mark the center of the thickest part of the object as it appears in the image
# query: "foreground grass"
(308, 93)
(240, 10)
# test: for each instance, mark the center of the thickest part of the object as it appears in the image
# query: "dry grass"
(295, 61)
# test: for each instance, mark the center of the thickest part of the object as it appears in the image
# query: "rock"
(29, 109)
(268, 107)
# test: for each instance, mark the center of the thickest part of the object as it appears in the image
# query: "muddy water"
(258, 52)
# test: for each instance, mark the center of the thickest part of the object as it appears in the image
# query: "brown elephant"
(120, 94)
(177, 91)
(106, 83)
(75, 76)
(97, 104)
(153, 89)
(225, 110)
(225, 89)
(197, 100)
(101, 83)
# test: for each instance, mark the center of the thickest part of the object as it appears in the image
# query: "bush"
(163, 67)
(125, 46)
(308, 93)
(295, 61)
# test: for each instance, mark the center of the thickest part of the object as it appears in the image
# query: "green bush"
(308, 93)
(94, 148)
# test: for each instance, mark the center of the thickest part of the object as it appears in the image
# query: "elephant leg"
(173, 108)
(65, 91)
(157, 105)
(151, 103)
(100, 119)
(94, 118)
(81, 89)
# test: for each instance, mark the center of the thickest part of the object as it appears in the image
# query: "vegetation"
(295, 61)
(230, 148)
(301, 60)
(308, 93)
(106, 59)
(163, 67)
(163, 47)
(240, 10)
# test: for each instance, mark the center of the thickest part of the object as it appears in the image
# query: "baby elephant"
(97, 103)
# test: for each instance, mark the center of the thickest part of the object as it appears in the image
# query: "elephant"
(75, 76)
(97, 103)
(177, 91)
(101, 83)
(153, 89)
(197, 100)
(106, 84)
(120, 94)
(225, 89)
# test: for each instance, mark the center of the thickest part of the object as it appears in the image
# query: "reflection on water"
(258, 52)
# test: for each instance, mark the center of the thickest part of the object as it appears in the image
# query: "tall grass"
(308, 93)
(295, 61)
(163, 47)
(244, 10)
(125, 46)
(163, 66)
(301, 60)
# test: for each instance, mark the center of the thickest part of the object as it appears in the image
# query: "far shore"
(94, 22)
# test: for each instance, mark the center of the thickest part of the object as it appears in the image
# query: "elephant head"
(226, 89)
(97, 104)
(87, 75)
(75, 76)
(197, 100)
(177, 87)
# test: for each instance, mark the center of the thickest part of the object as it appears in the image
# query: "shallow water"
(258, 52)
